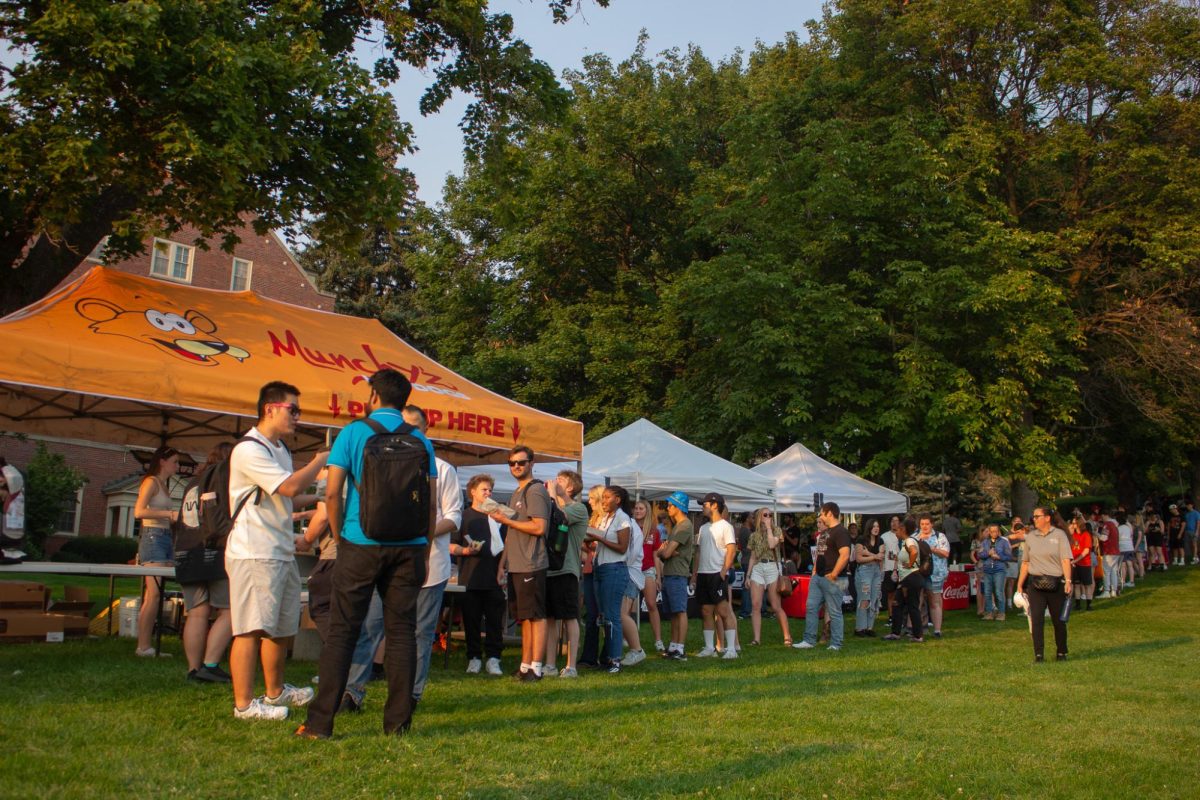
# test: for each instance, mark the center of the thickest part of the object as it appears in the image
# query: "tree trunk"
(1024, 498)
(48, 261)
(1125, 485)
(1194, 460)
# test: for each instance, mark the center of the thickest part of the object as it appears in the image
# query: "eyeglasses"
(1035, 516)
(291, 408)
(518, 463)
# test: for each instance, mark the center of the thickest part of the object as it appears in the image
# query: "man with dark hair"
(676, 557)
(526, 560)
(394, 567)
(829, 573)
(718, 547)
(260, 555)
(437, 564)
(562, 585)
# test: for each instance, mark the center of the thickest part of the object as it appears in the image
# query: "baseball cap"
(713, 497)
(1173, 507)
(679, 500)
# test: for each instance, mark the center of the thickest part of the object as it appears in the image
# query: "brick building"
(263, 264)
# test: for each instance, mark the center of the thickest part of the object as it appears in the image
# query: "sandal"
(755, 643)
(787, 642)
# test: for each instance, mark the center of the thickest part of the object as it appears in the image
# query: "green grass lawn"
(967, 716)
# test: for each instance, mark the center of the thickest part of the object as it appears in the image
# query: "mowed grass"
(966, 716)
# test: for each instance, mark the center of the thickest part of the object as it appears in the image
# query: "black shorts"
(1082, 575)
(562, 597)
(711, 589)
(527, 595)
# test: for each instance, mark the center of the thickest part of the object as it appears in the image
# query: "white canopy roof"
(645, 459)
(504, 484)
(799, 473)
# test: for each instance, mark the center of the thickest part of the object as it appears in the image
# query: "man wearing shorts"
(562, 585)
(1081, 563)
(718, 548)
(676, 558)
(526, 561)
(1191, 526)
(260, 555)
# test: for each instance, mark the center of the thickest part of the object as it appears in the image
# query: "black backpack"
(557, 535)
(925, 558)
(393, 490)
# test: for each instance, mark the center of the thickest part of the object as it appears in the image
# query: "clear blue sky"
(718, 28)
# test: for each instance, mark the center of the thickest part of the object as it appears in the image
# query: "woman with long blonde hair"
(765, 541)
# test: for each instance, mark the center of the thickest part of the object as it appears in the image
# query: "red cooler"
(956, 591)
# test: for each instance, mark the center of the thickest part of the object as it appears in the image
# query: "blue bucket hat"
(679, 500)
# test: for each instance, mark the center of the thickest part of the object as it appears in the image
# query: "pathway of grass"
(967, 716)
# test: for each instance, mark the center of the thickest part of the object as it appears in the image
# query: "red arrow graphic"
(516, 428)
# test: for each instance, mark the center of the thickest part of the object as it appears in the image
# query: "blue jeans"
(429, 609)
(364, 651)
(868, 577)
(822, 591)
(992, 586)
(610, 589)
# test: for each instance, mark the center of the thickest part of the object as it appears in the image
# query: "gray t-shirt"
(1045, 553)
(527, 553)
(952, 527)
(577, 523)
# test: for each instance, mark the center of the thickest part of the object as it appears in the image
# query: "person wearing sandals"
(764, 573)
(868, 576)
(156, 511)
(1045, 578)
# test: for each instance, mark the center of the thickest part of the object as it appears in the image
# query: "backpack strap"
(380, 430)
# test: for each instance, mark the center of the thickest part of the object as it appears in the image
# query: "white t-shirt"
(262, 529)
(611, 527)
(633, 556)
(1125, 537)
(714, 538)
(891, 549)
(449, 506)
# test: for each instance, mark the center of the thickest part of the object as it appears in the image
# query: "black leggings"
(1039, 601)
(908, 597)
(486, 607)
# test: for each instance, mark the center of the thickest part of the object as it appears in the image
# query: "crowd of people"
(574, 575)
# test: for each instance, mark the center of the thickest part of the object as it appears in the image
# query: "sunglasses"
(518, 463)
(291, 408)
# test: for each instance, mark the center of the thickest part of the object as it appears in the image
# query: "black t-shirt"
(829, 543)
(477, 571)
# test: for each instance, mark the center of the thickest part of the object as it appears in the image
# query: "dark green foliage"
(97, 550)
(49, 483)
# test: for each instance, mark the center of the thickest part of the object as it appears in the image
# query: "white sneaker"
(707, 652)
(493, 667)
(259, 710)
(150, 652)
(803, 645)
(833, 647)
(633, 657)
(660, 647)
(730, 653)
(568, 672)
(293, 696)
(473, 666)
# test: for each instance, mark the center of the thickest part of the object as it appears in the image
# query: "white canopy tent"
(646, 460)
(504, 484)
(800, 474)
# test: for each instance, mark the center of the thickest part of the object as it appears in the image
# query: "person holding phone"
(995, 555)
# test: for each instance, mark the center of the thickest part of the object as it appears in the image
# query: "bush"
(49, 483)
(97, 550)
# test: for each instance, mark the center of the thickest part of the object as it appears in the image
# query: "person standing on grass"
(1175, 536)
(1081, 560)
(392, 567)
(633, 596)
(612, 534)
(1045, 577)
(1155, 539)
(562, 585)
(978, 551)
(478, 545)
(156, 511)
(909, 583)
(952, 527)
(994, 554)
(717, 550)
(676, 558)
(941, 568)
(260, 555)
(1128, 551)
(1110, 548)
(763, 575)
(652, 538)
(891, 550)
(869, 577)
(1016, 537)
(526, 561)
(592, 653)
(1191, 528)
(826, 587)
(437, 565)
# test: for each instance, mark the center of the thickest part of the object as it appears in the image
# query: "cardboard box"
(25, 595)
(75, 602)
(74, 626)
(31, 626)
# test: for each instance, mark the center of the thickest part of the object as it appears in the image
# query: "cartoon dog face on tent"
(188, 336)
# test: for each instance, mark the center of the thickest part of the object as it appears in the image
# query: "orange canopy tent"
(125, 359)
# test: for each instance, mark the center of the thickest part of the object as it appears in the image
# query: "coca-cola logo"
(960, 591)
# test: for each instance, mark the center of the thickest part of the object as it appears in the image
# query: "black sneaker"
(1038, 659)
(1061, 657)
(349, 704)
(676, 655)
(377, 673)
(529, 676)
(211, 675)
(615, 668)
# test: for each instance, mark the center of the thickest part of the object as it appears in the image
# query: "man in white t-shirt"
(437, 566)
(260, 555)
(718, 548)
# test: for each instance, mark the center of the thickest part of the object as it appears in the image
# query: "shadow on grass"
(1133, 648)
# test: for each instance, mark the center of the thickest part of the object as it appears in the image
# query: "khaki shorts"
(264, 595)
(215, 593)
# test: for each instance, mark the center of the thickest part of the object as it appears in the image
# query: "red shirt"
(1082, 543)
(1112, 545)
(651, 541)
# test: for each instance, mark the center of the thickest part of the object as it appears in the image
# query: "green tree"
(118, 118)
(50, 483)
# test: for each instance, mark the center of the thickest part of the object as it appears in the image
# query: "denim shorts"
(632, 591)
(675, 594)
(155, 547)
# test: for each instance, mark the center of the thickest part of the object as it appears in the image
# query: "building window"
(172, 261)
(240, 281)
(68, 518)
(97, 254)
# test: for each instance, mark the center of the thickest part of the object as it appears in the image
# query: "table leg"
(162, 586)
(111, 580)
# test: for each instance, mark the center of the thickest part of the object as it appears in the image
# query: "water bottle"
(1066, 610)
